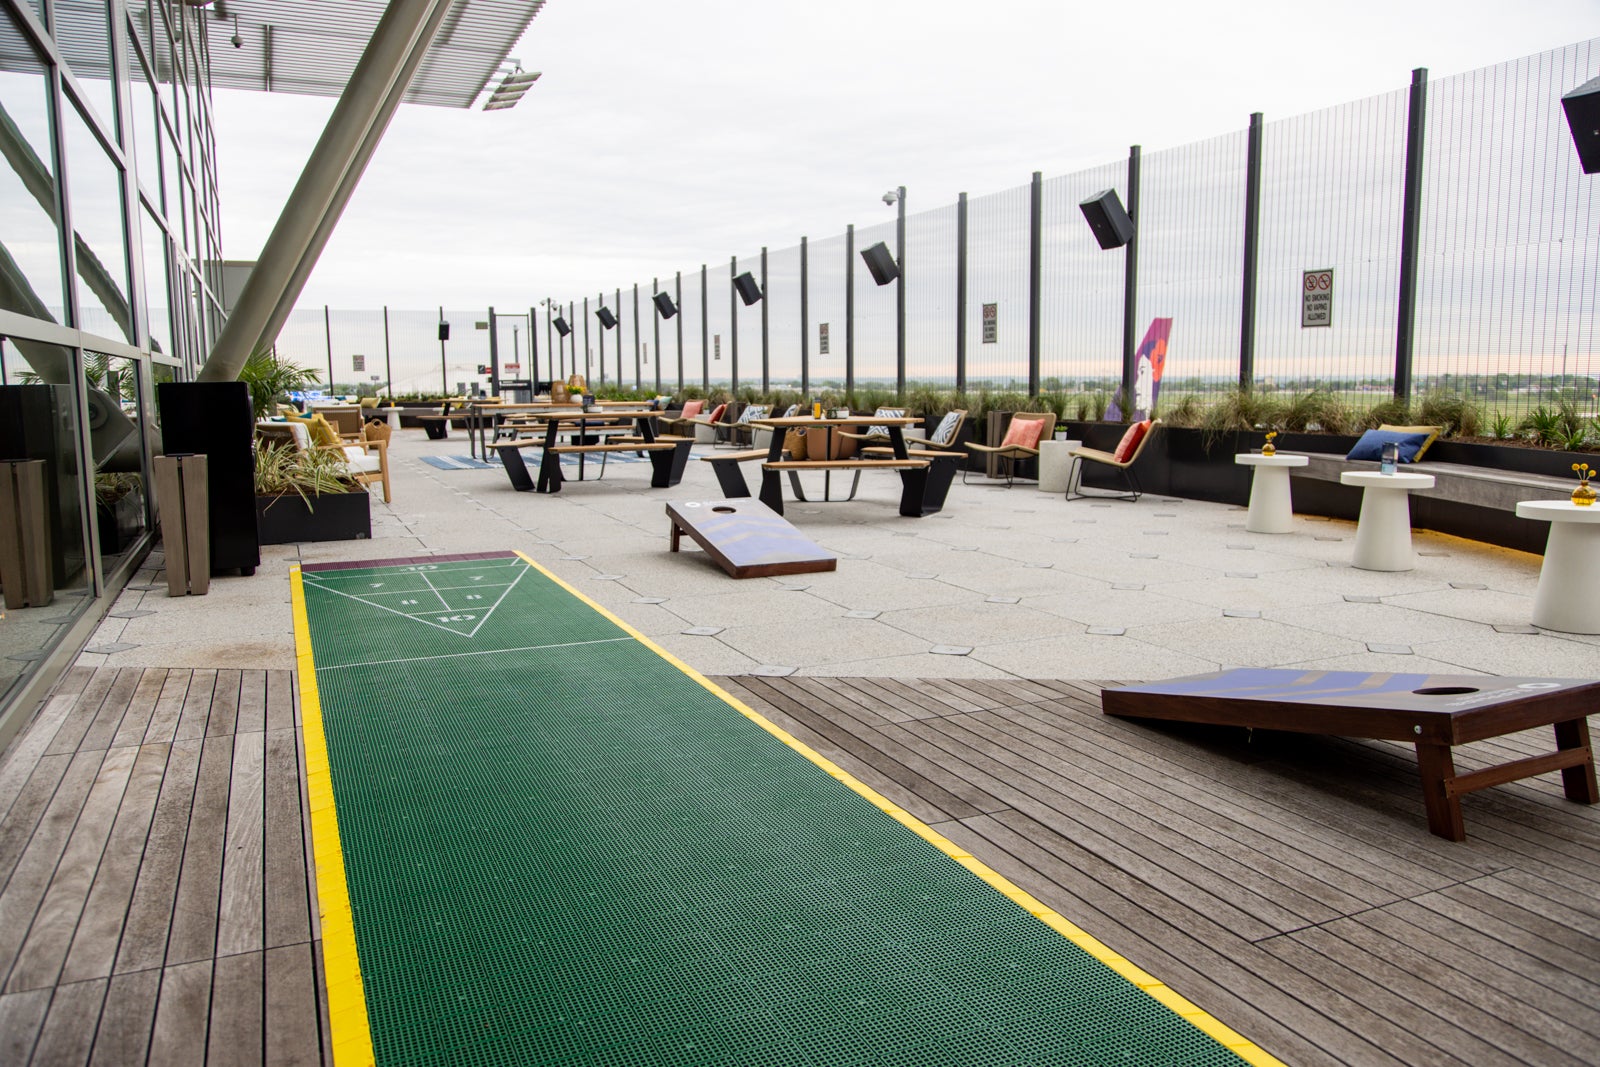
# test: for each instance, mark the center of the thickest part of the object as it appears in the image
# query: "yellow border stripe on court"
(351, 1036)
(1212, 1027)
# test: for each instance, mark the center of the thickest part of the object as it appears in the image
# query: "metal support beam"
(678, 291)
(388, 363)
(655, 321)
(638, 369)
(705, 331)
(494, 355)
(1252, 245)
(1410, 220)
(402, 35)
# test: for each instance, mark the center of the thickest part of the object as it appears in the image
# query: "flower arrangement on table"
(1270, 449)
(1583, 496)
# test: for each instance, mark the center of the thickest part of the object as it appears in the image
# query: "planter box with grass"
(288, 518)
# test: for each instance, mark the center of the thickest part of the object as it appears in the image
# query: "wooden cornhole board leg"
(747, 539)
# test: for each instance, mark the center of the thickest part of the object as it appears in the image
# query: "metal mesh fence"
(1080, 318)
(1510, 258)
(1507, 268)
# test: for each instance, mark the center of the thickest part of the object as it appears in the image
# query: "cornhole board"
(747, 538)
(1432, 711)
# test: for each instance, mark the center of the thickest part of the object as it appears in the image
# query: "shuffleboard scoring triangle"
(453, 597)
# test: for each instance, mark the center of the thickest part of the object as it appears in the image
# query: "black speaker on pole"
(665, 305)
(1110, 223)
(881, 263)
(444, 331)
(561, 326)
(749, 291)
(607, 319)
(1582, 106)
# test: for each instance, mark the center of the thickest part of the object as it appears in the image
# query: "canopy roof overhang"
(310, 47)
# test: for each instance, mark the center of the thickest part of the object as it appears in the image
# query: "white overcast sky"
(666, 135)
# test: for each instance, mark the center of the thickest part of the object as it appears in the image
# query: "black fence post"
(638, 370)
(705, 332)
(655, 325)
(961, 293)
(1252, 243)
(388, 365)
(619, 337)
(900, 296)
(1035, 269)
(805, 321)
(585, 371)
(679, 317)
(1405, 328)
(733, 327)
(766, 369)
(1130, 288)
(850, 309)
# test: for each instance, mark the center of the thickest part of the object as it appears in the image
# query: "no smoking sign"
(1316, 297)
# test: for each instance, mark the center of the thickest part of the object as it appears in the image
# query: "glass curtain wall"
(108, 254)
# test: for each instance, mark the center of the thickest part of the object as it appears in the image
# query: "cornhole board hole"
(747, 538)
(1432, 711)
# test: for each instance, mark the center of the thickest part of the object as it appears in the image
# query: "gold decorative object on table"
(1583, 496)
(1270, 449)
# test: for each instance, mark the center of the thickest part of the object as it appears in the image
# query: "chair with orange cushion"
(1021, 441)
(681, 425)
(1127, 453)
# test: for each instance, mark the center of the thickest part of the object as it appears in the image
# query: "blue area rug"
(533, 457)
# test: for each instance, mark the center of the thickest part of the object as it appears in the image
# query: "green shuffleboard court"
(542, 840)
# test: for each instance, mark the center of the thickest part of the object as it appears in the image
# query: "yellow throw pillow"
(1431, 431)
(369, 401)
(320, 429)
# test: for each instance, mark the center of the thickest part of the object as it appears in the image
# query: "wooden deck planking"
(123, 1035)
(1387, 946)
(143, 877)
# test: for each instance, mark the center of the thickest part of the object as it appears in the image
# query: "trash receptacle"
(184, 500)
(24, 534)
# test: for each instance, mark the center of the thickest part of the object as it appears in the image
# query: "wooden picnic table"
(925, 479)
(668, 455)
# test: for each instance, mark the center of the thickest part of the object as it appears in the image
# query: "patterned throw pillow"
(752, 411)
(945, 433)
(885, 413)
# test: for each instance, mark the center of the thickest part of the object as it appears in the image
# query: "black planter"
(287, 519)
(214, 419)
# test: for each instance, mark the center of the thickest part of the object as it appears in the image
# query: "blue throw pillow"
(1371, 445)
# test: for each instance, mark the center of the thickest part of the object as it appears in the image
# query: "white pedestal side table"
(1056, 465)
(1383, 536)
(1568, 599)
(1271, 507)
(394, 418)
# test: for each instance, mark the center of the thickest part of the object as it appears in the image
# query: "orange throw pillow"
(716, 412)
(1024, 433)
(1130, 441)
(691, 408)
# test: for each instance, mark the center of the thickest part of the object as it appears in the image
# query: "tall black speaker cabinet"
(215, 419)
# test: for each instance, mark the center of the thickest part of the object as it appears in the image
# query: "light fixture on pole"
(511, 88)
